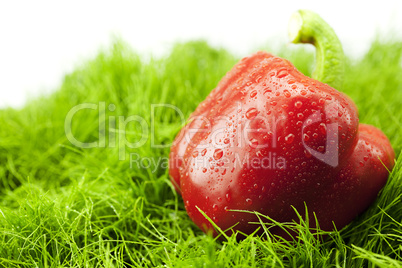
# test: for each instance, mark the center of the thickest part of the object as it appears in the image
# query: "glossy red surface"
(269, 138)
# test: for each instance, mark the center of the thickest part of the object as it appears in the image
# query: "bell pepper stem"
(308, 27)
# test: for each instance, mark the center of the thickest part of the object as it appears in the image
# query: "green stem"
(307, 27)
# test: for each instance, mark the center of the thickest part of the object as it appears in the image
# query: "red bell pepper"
(270, 139)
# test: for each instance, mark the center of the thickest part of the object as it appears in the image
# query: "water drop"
(203, 152)
(253, 143)
(218, 154)
(289, 138)
(282, 73)
(204, 170)
(298, 104)
(253, 93)
(249, 201)
(267, 91)
(226, 141)
(251, 113)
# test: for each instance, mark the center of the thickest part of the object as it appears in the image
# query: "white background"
(40, 41)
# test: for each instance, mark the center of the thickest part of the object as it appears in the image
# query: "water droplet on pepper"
(251, 113)
(218, 154)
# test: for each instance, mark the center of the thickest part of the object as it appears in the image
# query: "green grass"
(65, 206)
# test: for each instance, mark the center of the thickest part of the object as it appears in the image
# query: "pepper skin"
(270, 139)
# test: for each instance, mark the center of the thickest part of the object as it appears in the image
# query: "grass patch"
(65, 206)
